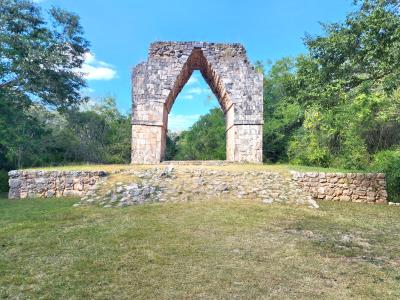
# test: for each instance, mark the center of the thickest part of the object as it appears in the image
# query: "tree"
(205, 139)
(171, 145)
(38, 59)
(282, 114)
(351, 81)
(39, 63)
(97, 134)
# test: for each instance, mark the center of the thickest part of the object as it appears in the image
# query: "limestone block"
(26, 184)
(356, 187)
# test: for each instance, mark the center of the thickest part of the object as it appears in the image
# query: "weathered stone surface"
(181, 185)
(355, 187)
(44, 184)
(225, 67)
(169, 183)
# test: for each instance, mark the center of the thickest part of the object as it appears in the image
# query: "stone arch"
(158, 81)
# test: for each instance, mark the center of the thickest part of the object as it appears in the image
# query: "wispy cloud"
(187, 97)
(195, 88)
(94, 69)
(181, 122)
(193, 80)
(195, 91)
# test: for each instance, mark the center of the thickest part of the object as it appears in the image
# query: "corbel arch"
(236, 85)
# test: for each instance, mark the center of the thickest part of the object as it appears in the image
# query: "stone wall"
(183, 184)
(354, 187)
(187, 182)
(226, 69)
(27, 184)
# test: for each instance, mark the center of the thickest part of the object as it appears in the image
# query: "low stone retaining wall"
(186, 183)
(24, 184)
(354, 187)
(170, 184)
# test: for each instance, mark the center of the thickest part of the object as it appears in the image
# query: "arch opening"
(196, 125)
(197, 62)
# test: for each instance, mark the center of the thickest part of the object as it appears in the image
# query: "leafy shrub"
(388, 162)
(309, 146)
(3, 180)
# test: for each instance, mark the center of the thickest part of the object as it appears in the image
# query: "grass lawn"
(205, 249)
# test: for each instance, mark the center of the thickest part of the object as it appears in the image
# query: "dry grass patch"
(236, 167)
(93, 167)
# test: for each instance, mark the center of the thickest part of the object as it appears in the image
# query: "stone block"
(356, 187)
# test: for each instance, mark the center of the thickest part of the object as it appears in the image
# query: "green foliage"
(339, 104)
(309, 146)
(344, 90)
(388, 162)
(3, 180)
(171, 147)
(98, 134)
(20, 135)
(364, 50)
(282, 114)
(40, 122)
(205, 139)
(39, 58)
(38, 137)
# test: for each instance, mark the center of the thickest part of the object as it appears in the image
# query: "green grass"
(205, 249)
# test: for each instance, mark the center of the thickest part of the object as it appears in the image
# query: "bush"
(388, 162)
(3, 180)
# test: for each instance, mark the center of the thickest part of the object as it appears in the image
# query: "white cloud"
(89, 58)
(94, 69)
(195, 90)
(193, 80)
(198, 91)
(187, 97)
(181, 122)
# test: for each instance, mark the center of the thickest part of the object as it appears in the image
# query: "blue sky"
(120, 32)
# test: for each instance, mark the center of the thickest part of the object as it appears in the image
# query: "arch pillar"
(149, 133)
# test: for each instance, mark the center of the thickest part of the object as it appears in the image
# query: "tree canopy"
(40, 56)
